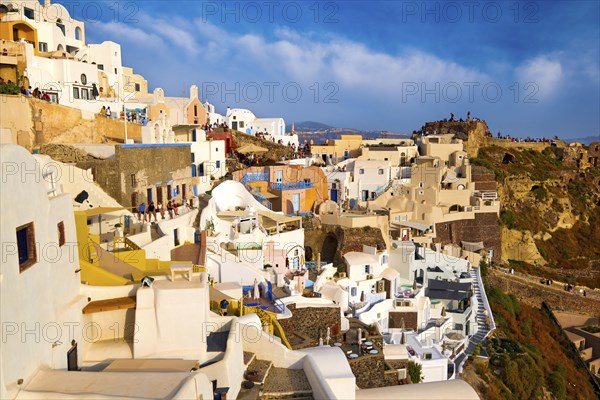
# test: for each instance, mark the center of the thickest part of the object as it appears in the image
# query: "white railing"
(486, 195)
(484, 298)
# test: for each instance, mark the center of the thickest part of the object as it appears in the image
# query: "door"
(279, 176)
(176, 237)
(234, 125)
(346, 154)
(296, 202)
(72, 364)
(149, 190)
(169, 193)
(333, 195)
(296, 263)
(159, 194)
(365, 195)
(134, 202)
(183, 191)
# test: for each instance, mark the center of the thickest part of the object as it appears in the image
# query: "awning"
(390, 274)
(416, 225)
(472, 246)
(450, 177)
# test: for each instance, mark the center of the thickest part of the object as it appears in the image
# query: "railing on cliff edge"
(383, 188)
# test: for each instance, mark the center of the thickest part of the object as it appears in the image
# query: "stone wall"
(35, 122)
(483, 178)
(410, 320)
(369, 371)
(307, 321)
(534, 294)
(335, 241)
(135, 169)
(484, 228)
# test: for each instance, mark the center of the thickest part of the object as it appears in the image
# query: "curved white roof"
(446, 390)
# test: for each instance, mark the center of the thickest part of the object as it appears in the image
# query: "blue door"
(334, 195)
(296, 202)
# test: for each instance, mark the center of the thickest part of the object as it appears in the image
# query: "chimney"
(46, 3)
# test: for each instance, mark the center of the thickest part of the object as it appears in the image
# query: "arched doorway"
(329, 248)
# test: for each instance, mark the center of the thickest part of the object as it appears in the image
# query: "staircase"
(483, 329)
(280, 386)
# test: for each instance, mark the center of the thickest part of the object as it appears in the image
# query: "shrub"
(556, 383)
(415, 372)
(507, 218)
(9, 88)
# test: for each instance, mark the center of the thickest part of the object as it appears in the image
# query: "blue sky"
(528, 68)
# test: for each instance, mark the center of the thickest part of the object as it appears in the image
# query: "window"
(133, 180)
(77, 33)
(420, 184)
(427, 356)
(218, 164)
(361, 171)
(404, 218)
(241, 124)
(28, 12)
(116, 71)
(384, 259)
(101, 67)
(367, 269)
(61, 27)
(61, 233)
(43, 46)
(75, 93)
(26, 246)
(137, 87)
(380, 171)
(84, 94)
(83, 79)
(195, 110)
(193, 157)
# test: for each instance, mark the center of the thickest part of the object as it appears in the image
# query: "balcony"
(290, 185)
(486, 195)
(255, 177)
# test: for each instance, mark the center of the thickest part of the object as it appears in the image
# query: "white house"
(40, 259)
(245, 121)
(369, 178)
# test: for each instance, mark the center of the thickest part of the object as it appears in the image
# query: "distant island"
(319, 132)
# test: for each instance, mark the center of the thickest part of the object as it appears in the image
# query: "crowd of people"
(524, 140)
(147, 213)
(132, 117)
(35, 93)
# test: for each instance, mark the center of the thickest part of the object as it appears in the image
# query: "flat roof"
(448, 285)
(279, 218)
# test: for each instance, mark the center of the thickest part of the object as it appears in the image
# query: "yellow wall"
(154, 111)
(24, 31)
(200, 119)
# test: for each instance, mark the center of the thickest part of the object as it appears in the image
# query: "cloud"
(547, 74)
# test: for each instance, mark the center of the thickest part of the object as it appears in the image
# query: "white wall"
(37, 304)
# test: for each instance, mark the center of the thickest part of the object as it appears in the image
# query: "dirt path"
(529, 290)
